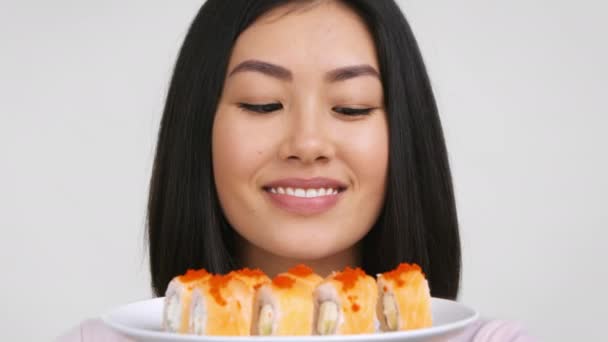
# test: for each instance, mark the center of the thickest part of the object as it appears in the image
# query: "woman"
(303, 131)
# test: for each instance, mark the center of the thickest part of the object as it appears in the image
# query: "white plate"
(142, 321)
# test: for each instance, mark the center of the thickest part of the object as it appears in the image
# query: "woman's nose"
(307, 137)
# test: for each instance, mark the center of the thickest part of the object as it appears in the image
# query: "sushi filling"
(174, 313)
(198, 318)
(265, 321)
(390, 311)
(328, 318)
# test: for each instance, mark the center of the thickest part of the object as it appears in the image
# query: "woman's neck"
(255, 257)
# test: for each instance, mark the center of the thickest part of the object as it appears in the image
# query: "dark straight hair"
(186, 227)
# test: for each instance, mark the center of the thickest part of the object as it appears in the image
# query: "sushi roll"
(285, 306)
(221, 306)
(404, 299)
(345, 303)
(178, 298)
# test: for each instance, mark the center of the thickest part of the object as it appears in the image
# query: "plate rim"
(138, 332)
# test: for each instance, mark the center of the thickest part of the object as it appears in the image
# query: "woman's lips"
(304, 205)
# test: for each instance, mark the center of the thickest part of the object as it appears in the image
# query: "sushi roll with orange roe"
(285, 306)
(404, 299)
(221, 306)
(344, 303)
(178, 296)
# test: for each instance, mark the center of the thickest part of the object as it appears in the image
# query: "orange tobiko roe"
(193, 275)
(215, 284)
(397, 274)
(354, 307)
(301, 270)
(247, 272)
(349, 277)
(283, 281)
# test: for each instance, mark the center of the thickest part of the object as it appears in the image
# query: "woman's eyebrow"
(284, 74)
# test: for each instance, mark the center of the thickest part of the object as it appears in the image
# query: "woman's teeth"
(297, 192)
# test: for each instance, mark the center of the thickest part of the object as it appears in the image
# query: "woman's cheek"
(365, 150)
(241, 142)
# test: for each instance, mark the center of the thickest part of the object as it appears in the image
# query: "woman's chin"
(306, 251)
(304, 255)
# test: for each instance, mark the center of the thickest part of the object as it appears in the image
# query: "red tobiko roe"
(194, 275)
(397, 274)
(349, 277)
(301, 270)
(282, 281)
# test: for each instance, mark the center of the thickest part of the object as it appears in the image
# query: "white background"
(521, 86)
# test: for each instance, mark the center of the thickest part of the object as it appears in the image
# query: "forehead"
(322, 37)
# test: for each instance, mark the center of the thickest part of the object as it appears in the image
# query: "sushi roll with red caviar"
(404, 299)
(344, 303)
(221, 306)
(285, 306)
(178, 296)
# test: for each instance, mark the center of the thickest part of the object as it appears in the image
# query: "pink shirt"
(93, 330)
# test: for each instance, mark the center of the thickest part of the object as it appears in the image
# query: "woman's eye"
(271, 107)
(262, 108)
(353, 111)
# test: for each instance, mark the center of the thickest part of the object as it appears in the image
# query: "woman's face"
(302, 110)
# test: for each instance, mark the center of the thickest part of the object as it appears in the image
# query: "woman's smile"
(294, 196)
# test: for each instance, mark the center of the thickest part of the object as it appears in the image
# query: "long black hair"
(186, 227)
